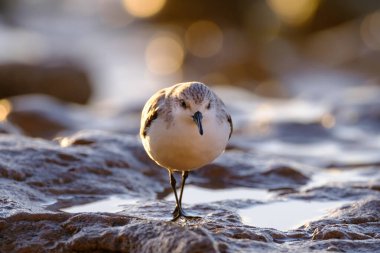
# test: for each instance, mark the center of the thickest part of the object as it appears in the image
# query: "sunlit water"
(291, 214)
(192, 195)
(286, 215)
(282, 215)
(112, 204)
(197, 195)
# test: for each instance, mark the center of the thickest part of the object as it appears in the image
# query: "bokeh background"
(120, 51)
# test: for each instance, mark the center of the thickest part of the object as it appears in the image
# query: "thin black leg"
(173, 184)
(184, 177)
(178, 210)
(185, 174)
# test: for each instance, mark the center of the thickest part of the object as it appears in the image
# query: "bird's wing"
(229, 119)
(151, 110)
(225, 113)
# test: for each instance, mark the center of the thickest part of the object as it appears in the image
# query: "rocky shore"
(40, 177)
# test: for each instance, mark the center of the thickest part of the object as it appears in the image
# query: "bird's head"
(195, 103)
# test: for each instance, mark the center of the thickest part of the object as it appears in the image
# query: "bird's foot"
(175, 210)
(178, 213)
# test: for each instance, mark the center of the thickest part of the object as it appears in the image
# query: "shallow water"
(198, 195)
(112, 204)
(192, 195)
(287, 215)
(283, 215)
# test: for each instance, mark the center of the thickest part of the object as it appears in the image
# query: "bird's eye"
(208, 106)
(183, 104)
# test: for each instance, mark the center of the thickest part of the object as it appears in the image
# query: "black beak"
(197, 117)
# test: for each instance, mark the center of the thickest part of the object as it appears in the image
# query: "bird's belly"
(181, 147)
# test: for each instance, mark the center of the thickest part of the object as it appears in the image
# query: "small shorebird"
(184, 127)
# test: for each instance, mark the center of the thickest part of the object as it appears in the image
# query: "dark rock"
(288, 173)
(237, 168)
(102, 233)
(359, 221)
(339, 232)
(63, 81)
(95, 170)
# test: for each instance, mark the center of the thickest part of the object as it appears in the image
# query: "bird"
(183, 128)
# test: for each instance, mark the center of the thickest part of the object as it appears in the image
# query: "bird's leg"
(185, 174)
(178, 212)
(173, 184)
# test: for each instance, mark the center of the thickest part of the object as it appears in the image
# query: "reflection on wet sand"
(287, 215)
(111, 204)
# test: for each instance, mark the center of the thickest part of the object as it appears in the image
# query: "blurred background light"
(264, 113)
(143, 8)
(294, 12)
(5, 109)
(164, 54)
(328, 120)
(256, 45)
(204, 39)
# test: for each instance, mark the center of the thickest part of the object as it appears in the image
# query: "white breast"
(179, 146)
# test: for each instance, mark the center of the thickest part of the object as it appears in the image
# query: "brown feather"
(151, 111)
(229, 119)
